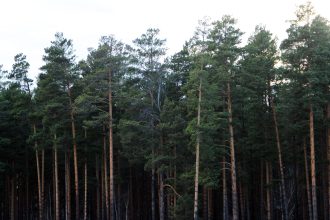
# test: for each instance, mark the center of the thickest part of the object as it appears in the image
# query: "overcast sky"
(28, 26)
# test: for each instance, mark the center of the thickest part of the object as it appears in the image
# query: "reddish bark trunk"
(75, 156)
(312, 146)
(197, 151)
(310, 212)
(111, 181)
(232, 156)
(279, 152)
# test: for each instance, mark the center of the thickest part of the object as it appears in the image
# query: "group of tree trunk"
(216, 131)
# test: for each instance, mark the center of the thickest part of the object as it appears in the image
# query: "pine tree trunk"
(224, 191)
(97, 176)
(111, 189)
(12, 195)
(268, 191)
(119, 201)
(174, 176)
(197, 150)
(105, 177)
(57, 201)
(312, 146)
(68, 185)
(309, 202)
(153, 170)
(27, 174)
(153, 196)
(161, 186)
(328, 155)
(42, 182)
(75, 156)
(39, 183)
(54, 186)
(103, 210)
(169, 197)
(131, 205)
(85, 191)
(261, 191)
(232, 156)
(38, 175)
(279, 151)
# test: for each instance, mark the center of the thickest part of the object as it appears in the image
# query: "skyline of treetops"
(222, 129)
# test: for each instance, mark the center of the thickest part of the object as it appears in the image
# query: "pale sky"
(28, 26)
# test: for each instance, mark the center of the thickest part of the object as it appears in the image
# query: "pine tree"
(224, 40)
(149, 52)
(55, 89)
(102, 72)
(304, 51)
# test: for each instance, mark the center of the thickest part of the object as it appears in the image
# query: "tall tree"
(304, 51)
(149, 55)
(102, 76)
(256, 77)
(197, 82)
(60, 74)
(19, 74)
(225, 38)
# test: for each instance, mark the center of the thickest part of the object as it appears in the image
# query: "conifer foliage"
(222, 129)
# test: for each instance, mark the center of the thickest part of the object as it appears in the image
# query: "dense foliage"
(217, 131)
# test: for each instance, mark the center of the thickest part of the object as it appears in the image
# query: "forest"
(217, 131)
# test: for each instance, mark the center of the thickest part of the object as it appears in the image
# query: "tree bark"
(161, 185)
(53, 209)
(42, 182)
(224, 191)
(38, 174)
(312, 146)
(111, 182)
(309, 202)
(39, 184)
(268, 191)
(97, 176)
(232, 155)
(153, 170)
(261, 190)
(57, 199)
(328, 154)
(67, 185)
(85, 191)
(279, 151)
(27, 175)
(75, 156)
(131, 205)
(153, 196)
(119, 199)
(197, 150)
(103, 211)
(12, 194)
(105, 176)
(174, 176)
